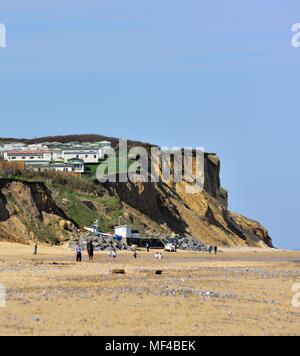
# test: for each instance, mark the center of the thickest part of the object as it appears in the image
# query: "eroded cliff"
(28, 212)
(167, 207)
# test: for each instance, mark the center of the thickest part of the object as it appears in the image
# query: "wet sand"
(237, 292)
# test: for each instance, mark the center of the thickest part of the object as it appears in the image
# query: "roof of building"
(79, 152)
(123, 226)
(83, 148)
(27, 153)
(65, 165)
(42, 163)
(76, 160)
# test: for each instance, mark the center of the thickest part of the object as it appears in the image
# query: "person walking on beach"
(148, 247)
(216, 249)
(210, 249)
(134, 254)
(78, 252)
(90, 251)
(35, 250)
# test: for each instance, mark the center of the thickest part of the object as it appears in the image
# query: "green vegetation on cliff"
(85, 208)
(82, 199)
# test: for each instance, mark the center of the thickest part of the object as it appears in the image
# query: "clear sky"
(218, 74)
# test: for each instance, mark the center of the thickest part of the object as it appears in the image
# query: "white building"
(104, 148)
(57, 155)
(77, 164)
(36, 147)
(61, 167)
(43, 166)
(85, 154)
(11, 147)
(127, 232)
(24, 155)
(37, 166)
(124, 231)
(14, 146)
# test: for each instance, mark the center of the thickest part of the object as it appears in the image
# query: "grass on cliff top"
(114, 165)
(85, 208)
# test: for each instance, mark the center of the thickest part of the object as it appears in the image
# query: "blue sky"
(217, 74)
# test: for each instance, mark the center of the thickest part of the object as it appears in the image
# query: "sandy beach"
(237, 292)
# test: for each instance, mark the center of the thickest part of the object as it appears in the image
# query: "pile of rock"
(100, 243)
(190, 244)
(103, 243)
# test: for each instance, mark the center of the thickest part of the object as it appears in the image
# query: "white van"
(170, 247)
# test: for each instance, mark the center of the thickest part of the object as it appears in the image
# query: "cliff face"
(168, 208)
(28, 212)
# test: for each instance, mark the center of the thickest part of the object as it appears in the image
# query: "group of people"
(90, 251)
(212, 249)
(111, 253)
